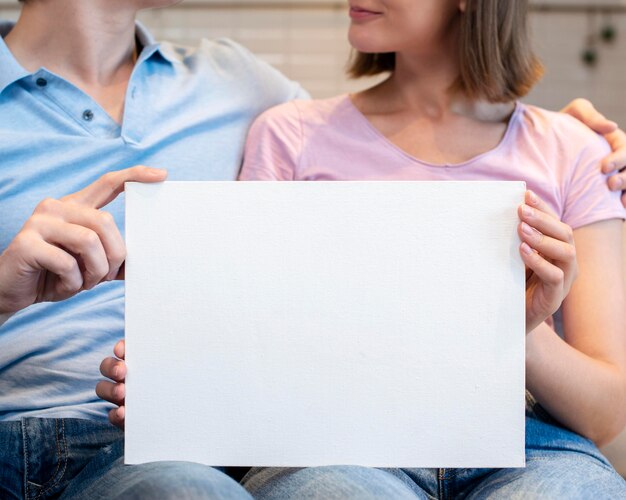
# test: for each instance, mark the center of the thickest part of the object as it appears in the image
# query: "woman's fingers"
(545, 288)
(539, 215)
(548, 252)
(546, 224)
(533, 200)
(550, 248)
(551, 276)
(544, 233)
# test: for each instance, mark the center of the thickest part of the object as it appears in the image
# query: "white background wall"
(306, 39)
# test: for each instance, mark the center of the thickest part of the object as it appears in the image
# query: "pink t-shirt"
(557, 156)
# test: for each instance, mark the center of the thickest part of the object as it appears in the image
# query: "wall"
(559, 39)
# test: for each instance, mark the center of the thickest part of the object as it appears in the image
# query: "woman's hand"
(548, 252)
(615, 163)
(114, 368)
(68, 245)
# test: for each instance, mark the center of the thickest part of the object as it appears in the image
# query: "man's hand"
(68, 245)
(616, 162)
(548, 252)
(114, 392)
(584, 111)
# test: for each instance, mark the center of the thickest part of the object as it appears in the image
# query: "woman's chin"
(365, 44)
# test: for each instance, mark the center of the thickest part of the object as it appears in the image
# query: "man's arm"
(67, 245)
(584, 111)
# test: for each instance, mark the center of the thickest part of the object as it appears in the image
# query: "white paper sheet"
(301, 324)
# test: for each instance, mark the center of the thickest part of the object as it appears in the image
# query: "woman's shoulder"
(306, 112)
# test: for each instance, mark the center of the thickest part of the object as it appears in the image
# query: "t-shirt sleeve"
(588, 198)
(273, 145)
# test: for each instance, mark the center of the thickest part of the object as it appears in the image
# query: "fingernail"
(527, 211)
(156, 172)
(618, 183)
(526, 249)
(526, 229)
(533, 197)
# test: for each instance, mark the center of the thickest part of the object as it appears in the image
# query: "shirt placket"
(75, 103)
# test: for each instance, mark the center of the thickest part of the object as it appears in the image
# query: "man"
(83, 93)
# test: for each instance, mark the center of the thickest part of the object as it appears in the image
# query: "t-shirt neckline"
(509, 131)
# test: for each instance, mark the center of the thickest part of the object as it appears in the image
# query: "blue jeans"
(73, 458)
(560, 465)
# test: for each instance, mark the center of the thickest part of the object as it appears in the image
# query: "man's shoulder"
(221, 51)
(231, 63)
(222, 56)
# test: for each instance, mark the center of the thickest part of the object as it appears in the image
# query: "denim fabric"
(559, 465)
(75, 458)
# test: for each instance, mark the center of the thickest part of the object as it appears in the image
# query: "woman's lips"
(360, 14)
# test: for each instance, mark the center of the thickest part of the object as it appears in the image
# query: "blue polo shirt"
(187, 110)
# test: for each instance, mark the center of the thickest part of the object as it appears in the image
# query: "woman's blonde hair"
(496, 59)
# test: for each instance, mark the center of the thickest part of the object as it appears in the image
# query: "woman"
(449, 110)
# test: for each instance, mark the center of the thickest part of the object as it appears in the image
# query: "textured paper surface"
(301, 324)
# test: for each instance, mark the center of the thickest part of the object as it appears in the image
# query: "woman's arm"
(581, 380)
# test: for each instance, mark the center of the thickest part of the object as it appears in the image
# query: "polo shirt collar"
(149, 45)
(11, 70)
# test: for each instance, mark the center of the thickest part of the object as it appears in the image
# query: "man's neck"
(85, 42)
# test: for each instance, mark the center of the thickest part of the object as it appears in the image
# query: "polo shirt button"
(41, 82)
(87, 115)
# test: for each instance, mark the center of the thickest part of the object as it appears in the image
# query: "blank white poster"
(316, 323)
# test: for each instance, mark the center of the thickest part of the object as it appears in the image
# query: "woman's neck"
(85, 42)
(423, 87)
(420, 109)
(426, 87)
